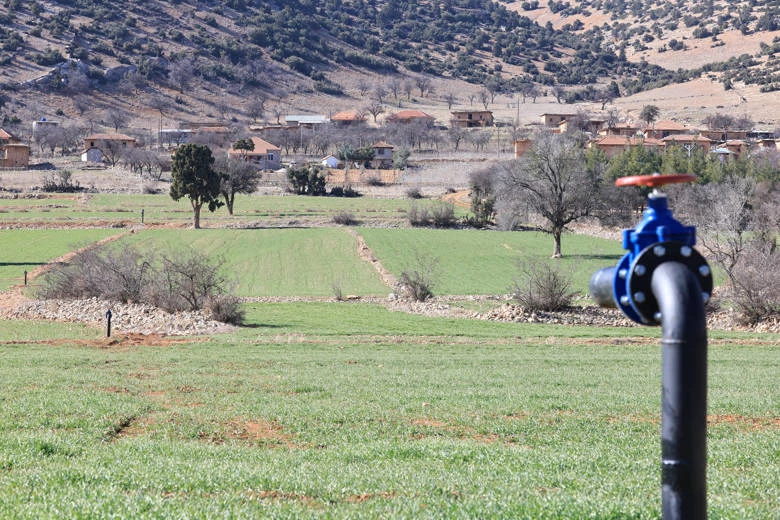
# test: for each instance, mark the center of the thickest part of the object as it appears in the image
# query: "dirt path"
(459, 198)
(365, 254)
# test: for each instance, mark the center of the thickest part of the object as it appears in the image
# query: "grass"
(343, 410)
(277, 262)
(25, 249)
(161, 209)
(485, 262)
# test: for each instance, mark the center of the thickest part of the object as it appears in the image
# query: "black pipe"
(684, 392)
(601, 287)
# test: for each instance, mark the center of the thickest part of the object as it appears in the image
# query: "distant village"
(612, 138)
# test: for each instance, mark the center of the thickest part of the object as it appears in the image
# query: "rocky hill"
(244, 60)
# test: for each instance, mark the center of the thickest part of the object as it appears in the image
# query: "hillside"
(239, 61)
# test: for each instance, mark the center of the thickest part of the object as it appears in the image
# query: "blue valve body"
(657, 225)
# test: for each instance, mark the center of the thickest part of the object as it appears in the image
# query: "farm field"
(257, 210)
(27, 249)
(324, 409)
(350, 410)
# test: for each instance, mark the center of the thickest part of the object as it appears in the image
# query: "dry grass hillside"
(285, 91)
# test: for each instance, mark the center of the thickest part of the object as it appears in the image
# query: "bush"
(60, 183)
(345, 218)
(225, 308)
(756, 290)
(417, 282)
(443, 215)
(542, 287)
(414, 193)
(374, 181)
(187, 281)
(418, 215)
(348, 191)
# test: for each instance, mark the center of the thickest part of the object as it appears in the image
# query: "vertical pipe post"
(25, 277)
(684, 392)
(108, 323)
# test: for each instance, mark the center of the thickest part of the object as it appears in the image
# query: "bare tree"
(362, 86)
(550, 179)
(408, 88)
(375, 109)
(484, 98)
(255, 108)
(380, 93)
(237, 176)
(558, 91)
(394, 86)
(613, 117)
(456, 135)
(450, 98)
(181, 73)
(424, 84)
(115, 118)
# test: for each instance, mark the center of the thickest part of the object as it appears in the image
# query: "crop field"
(26, 249)
(317, 408)
(159, 209)
(349, 410)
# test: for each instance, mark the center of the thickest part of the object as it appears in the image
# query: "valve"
(658, 238)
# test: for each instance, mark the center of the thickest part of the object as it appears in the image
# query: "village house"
(725, 135)
(522, 146)
(629, 129)
(42, 126)
(14, 155)
(553, 120)
(383, 155)
(471, 118)
(592, 126)
(98, 146)
(330, 161)
(265, 155)
(348, 117)
(665, 128)
(688, 141)
(305, 121)
(613, 145)
(411, 116)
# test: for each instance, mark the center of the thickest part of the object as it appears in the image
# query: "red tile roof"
(109, 137)
(262, 147)
(347, 115)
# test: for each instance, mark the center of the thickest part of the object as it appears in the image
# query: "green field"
(25, 249)
(324, 409)
(161, 209)
(351, 411)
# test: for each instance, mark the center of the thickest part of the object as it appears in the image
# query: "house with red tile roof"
(411, 116)
(265, 155)
(348, 117)
(613, 145)
(98, 147)
(665, 128)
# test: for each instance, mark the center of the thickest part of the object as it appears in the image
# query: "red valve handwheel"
(654, 180)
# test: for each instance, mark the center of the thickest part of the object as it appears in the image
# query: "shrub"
(60, 183)
(414, 193)
(345, 218)
(348, 191)
(417, 282)
(443, 215)
(187, 281)
(374, 181)
(756, 283)
(225, 308)
(418, 215)
(542, 287)
(110, 275)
